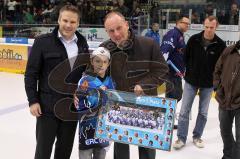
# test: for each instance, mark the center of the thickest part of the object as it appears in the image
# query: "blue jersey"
(87, 127)
(172, 47)
(154, 35)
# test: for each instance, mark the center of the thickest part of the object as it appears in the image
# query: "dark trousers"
(121, 151)
(49, 128)
(174, 87)
(231, 147)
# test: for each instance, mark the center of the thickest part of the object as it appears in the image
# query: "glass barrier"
(33, 30)
(228, 16)
(139, 24)
(23, 30)
(164, 15)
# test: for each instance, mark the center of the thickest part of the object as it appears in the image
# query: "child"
(95, 78)
(226, 81)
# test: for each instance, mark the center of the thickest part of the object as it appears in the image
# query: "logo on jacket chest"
(211, 52)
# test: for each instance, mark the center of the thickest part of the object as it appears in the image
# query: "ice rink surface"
(17, 128)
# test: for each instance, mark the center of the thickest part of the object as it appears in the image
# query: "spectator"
(233, 16)
(29, 3)
(202, 52)
(222, 17)
(195, 18)
(46, 12)
(208, 12)
(135, 18)
(122, 8)
(37, 15)
(91, 14)
(28, 16)
(154, 12)
(11, 9)
(113, 4)
(153, 33)
(135, 4)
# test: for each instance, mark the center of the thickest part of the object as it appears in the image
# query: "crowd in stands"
(93, 11)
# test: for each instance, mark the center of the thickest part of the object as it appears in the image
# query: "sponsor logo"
(17, 40)
(94, 141)
(169, 43)
(9, 55)
(93, 35)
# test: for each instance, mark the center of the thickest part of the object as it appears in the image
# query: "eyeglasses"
(185, 23)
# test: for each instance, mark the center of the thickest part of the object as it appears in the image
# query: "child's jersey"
(87, 127)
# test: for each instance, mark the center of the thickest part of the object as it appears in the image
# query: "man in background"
(202, 52)
(153, 33)
(172, 48)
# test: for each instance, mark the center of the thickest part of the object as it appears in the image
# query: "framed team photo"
(140, 120)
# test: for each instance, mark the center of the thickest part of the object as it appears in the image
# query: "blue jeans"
(231, 147)
(189, 93)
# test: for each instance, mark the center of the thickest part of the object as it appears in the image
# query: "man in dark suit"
(47, 52)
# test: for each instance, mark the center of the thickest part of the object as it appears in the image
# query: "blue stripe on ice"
(12, 109)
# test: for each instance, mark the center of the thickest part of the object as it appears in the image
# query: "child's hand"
(103, 88)
(180, 74)
(75, 100)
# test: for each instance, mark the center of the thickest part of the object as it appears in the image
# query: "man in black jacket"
(47, 52)
(202, 52)
(137, 65)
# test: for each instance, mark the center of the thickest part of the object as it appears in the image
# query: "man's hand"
(180, 74)
(138, 90)
(35, 109)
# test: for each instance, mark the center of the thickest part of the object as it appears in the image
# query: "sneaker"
(198, 142)
(178, 144)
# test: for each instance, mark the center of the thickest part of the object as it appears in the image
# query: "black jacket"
(47, 52)
(199, 62)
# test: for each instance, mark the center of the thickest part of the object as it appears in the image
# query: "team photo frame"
(139, 120)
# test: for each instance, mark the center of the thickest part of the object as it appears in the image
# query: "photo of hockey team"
(129, 115)
(129, 120)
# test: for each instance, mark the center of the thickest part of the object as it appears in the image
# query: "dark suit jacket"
(48, 52)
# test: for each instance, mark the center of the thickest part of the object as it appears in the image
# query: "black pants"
(49, 128)
(121, 151)
(174, 90)
(231, 147)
